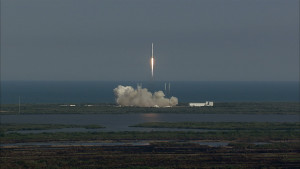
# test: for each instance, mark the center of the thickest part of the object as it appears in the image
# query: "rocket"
(152, 51)
(152, 62)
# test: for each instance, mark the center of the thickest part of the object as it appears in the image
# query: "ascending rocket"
(152, 62)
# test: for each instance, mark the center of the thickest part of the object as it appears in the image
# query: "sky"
(110, 40)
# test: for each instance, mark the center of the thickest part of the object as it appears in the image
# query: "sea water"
(102, 92)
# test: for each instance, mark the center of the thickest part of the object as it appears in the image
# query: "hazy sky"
(199, 40)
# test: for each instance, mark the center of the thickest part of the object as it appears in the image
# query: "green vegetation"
(251, 145)
(275, 145)
(229, 131)
(218, 108)
(239, 135)
(4, 127)
(224, 125)
(158, 155)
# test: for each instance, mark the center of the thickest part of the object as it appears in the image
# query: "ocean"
(37, 92)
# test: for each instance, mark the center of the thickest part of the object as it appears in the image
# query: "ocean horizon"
(64, 92)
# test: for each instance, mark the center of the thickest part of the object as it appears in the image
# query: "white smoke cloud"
(141, 97)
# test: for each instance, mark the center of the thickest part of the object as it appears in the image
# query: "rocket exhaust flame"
(152, 62)
(152, 66)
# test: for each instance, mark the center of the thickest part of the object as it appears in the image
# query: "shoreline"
(182, 108)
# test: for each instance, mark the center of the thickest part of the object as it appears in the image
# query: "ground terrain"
(248, 144)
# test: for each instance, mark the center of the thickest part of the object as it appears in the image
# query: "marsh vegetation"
(5, 127)
(156, 155)
(250, 144)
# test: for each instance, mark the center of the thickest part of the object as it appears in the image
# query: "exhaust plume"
(141, 97)
(152, 62)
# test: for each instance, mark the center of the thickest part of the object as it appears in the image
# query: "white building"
(207, 103)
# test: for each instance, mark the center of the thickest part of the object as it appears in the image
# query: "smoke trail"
(141, 97)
